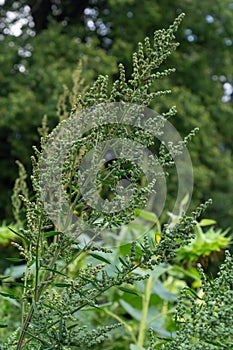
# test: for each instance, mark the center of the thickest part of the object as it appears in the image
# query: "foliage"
(204, 243)
(48, 253)
(204, 318)
(5, 235)
(64, 279)
(38, 68)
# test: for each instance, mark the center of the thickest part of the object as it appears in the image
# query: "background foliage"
(39, 58)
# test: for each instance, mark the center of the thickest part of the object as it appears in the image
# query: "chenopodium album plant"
(64, 276)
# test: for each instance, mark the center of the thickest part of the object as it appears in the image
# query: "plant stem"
(24, 329)
(145, 306)
(118, 318)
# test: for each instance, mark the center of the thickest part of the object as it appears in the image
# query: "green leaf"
(8, 295)
(3, 325)
(127, 290)
(31, 262)
(101, 258)
(207, 222)
(193, 273)
(18, 234)
(149, 216)
(4, 277)
(55, 271)
(194, 293)
(123, 262)
(60, 329)
(17, 284)
(15, 259)
(51, 233)
(49, 306)
(62, 285)
(37, 212)
(73, 325)
(45, 345)
(88, 280)
(34, 305)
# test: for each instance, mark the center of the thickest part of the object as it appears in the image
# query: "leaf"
(17, 284)
(101, 258)
(162, 292)
(127, 290)
(62, 285)
(73, 325)
(4, 277)
(194, 293)
(31, 262)
(60, 329)
(149, 216)
(123, 262)
(37, 212)
(88, 280)
(34, 305)
(55, 271)
(190, 273)
(45, 345)
(49, 306)
(51, 233)
(135, 313)
(8, 295)
(15, 259)
(18, 234)
(3, 325)
(207, 222)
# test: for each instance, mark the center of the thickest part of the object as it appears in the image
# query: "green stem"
(145, 306)
(127, 327)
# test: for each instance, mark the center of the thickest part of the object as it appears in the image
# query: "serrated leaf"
(127, 290)
(101, 258)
